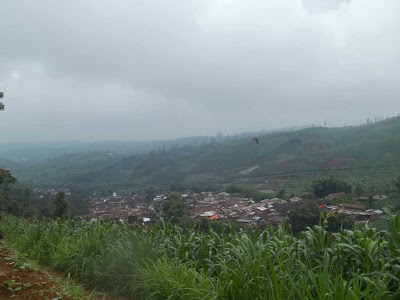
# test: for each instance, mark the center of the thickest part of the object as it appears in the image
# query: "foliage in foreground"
(168, 263)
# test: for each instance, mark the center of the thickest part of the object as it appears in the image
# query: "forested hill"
(309, 151)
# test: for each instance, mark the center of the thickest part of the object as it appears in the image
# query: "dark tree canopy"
(338, 222)
(326, 186)
(301, 218)
(174, 209)
(150, 193)
(5, 180)
(281, 194)
(60, 205)
(359, 190)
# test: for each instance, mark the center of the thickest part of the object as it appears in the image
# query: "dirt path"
(17, 281)
(20, 282)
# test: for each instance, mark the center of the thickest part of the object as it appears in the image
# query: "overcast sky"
(134, 70)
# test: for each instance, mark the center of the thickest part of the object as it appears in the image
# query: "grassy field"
(169, 263)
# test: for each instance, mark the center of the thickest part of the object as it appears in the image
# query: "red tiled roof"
(214, 216)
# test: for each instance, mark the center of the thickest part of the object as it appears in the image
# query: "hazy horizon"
(173, 138)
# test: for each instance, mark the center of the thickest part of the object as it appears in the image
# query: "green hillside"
(368, 152)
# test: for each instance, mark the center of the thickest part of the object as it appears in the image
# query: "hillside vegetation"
(368, 152)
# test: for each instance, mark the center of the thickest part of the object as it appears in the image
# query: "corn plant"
(166, 262)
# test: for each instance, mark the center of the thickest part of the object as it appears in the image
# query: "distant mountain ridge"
(310, 150)
(41, 151)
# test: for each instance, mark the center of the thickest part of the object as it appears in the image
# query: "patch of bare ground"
(20, 282)
(17, 282)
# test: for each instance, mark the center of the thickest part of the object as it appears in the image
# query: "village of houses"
(219, 206)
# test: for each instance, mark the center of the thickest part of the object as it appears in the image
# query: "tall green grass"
(165, 262)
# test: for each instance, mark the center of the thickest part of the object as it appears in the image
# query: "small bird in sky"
(256, 139)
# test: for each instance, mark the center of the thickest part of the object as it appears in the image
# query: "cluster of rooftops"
(219, 206)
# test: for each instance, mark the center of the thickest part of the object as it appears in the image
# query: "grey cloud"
(317, 6)
(142, 69)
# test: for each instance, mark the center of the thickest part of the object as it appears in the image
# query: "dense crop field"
(167, 263)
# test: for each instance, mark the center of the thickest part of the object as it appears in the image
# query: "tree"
(359, 190)
(28, 193)
(281, 194)
(339, 221)
(150, 194)
(5, 180)
(301, 218)
(174, 209)
(233, 189)
(370, 200)
(60, 205)
(14, 208)
(1, 104)
(324, 187)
